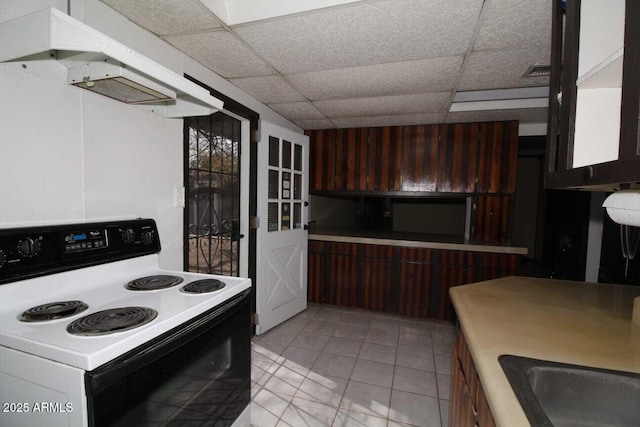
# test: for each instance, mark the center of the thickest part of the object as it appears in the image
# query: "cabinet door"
(458, 157)
(492, 218)
(592, 139)
(455, 268)
(497, 157)
(460, 406)
(322, 159)
(415, 283)
(385, 158)
(316, 271)
(351, 159)
(420, 158)
(341, 282)
(377, 277)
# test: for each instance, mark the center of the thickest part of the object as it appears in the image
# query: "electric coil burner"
(53, 310)
(152, 283)
(112, 321)
(202, 286)
(128, 345)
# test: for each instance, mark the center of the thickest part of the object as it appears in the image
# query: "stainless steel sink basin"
(557, 394)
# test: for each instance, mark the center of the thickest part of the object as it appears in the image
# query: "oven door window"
(205, 380)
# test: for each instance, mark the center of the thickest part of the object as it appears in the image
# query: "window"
(212, 211)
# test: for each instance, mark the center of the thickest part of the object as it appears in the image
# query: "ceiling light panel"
(497, 69)
(385, 105)
(528, 115)
(298, 110)
(270, 89)
(407, 77)
(515, 23)
(364, 33)
(315, 124)
(398, 120)
(221, 52)
(164, 17)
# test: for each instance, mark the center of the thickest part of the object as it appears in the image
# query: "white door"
(283, 188)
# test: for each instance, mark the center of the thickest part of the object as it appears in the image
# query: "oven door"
(196, 374)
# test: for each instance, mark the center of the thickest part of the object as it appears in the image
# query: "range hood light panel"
(118, 82)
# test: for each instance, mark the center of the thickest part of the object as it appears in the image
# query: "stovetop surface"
(102, 287)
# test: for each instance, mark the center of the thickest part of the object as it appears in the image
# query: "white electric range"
(93, 332)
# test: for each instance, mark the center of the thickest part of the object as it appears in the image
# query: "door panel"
(283, 188)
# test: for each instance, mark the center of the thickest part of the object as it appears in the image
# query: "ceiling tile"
(270, 89)
(315, 124)
(298, 110)
(399, 120)
(525, 115)
(407, 77)
(364, 33)
(515, 23)
(386, 105)
(164, 17)
(221, 52)
(495, 69)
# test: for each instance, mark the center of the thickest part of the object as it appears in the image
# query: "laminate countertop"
(411, 240)
(569, 322)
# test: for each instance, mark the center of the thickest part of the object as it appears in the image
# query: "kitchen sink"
(558, 394)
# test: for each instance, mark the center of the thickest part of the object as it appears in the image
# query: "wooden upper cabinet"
(458, 158)
(497, 157)
(322, 159)
(385, 158)
(454, 158)
(420, 158)
(593, 139)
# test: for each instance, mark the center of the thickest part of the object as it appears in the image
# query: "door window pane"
(273, 184)
(297, 186)
(272, 217)
(297, 215)
(286, 154)
(274, 151)
(286, 185)
(286, 216)
(297, 157)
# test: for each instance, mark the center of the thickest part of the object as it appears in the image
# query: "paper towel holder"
(623, 207)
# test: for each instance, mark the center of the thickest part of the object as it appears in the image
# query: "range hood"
(102, 65)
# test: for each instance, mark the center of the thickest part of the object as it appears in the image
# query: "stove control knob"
(128, 235)
(147, 237)
(3, 258)
(29, 247)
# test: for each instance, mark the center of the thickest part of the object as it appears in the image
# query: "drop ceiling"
(361, 63)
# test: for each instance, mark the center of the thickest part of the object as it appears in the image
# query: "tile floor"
(330, 366)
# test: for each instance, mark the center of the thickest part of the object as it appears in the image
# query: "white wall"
(69, 155)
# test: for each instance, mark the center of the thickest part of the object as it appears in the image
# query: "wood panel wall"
(409, 281)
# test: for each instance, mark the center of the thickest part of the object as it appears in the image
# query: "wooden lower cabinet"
(408, 281)
(468, 406)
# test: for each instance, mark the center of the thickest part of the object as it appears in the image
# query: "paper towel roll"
(624, 207)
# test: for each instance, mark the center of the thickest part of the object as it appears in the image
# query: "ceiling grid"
(366, 62)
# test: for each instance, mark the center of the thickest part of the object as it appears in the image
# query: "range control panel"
(36, 251)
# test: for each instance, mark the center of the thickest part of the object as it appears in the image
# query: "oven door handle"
(153, 350)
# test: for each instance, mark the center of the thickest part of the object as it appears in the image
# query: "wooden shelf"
(606, 74)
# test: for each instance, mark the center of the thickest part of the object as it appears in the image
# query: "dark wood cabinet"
(497, 157)
(458, 158)
(580, 102)
(453, 158)
(468, 405)
(492, 218)
(420, 168)
(395, 279)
